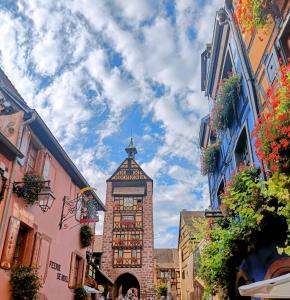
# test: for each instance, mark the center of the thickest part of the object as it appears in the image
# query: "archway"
(124, 283)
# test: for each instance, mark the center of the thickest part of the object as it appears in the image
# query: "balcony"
(127, 243)
(128, 224)
(120, 262)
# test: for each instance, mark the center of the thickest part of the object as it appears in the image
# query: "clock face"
(128, 201)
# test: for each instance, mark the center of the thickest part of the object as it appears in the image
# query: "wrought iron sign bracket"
(72, 206)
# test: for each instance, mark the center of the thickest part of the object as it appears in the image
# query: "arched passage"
(126, 283)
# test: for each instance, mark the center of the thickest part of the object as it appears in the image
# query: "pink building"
(46, 234)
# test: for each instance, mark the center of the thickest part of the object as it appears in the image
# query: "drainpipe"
(250, 81)
(12, 177)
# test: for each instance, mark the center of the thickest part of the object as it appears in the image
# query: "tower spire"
(131, 149)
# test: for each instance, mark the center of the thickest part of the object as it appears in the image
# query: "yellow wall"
(186, 262)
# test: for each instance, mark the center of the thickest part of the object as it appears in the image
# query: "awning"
(278, 287)
(91, 290)
(138, 190)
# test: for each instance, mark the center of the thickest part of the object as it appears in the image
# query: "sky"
(97, 70)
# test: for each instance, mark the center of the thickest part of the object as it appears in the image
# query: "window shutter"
(36, 250)
(46, 167)
(39, 162)
(83, 271)
(10, 243)
(24, 146)
(72, 270)
(272, 66)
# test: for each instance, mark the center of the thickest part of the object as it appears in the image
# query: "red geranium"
(272, 130)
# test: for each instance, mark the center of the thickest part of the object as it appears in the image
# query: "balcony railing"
(124, 262)
(127, 243)
(135, 207)
(127, 224)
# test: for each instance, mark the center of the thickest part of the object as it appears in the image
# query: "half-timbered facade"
(128, 229)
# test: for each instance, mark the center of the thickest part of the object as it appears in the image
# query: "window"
(183, 275)
(20, 246)
(173, 274)
(128, 201)
(31, 158)
(46, 167)
(120, 252)
(76, 270)
(183, 254)
(242, 154)
(284, 41)
(272, 66)
(164, 274)
(134, 253)
(128, 218)
(228, 66)
(220, 192)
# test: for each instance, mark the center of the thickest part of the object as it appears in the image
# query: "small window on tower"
(128, 201)
(120, 253)
(133, 253)
(129, 172)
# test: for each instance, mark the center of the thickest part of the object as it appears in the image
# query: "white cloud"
(69, 42)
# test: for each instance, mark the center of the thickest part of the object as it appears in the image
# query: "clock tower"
(128, 229)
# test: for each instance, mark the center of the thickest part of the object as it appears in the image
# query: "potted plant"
(32, 186)
(209, 158)
(25, 283)
(161, 290)
(255, 14)
(80, 293)
(86, 235)
(224, 105)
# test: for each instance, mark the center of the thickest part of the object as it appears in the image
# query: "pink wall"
(63, 242)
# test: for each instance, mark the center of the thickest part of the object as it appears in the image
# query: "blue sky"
(95, 70)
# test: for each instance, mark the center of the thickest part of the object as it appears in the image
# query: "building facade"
(186, 248)
(38, 182)
(128, 230)
(254, 57)
(167, 272)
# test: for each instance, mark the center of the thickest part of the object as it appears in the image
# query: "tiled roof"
(98, 243)
(166, 258)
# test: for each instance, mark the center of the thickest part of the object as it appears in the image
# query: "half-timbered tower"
(128, 229)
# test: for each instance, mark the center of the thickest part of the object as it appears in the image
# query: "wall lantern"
(45, 199)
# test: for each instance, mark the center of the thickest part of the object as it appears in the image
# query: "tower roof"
(131, 149)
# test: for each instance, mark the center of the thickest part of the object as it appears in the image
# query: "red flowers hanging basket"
(272, 130)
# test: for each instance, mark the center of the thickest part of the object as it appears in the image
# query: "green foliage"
(161, 289)
(209, 157)
(80, 293)
(278, 187)
(86, 235)
(25, 283)
(32, 186)
(223, 108)
(199, 228)
(254, 216)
